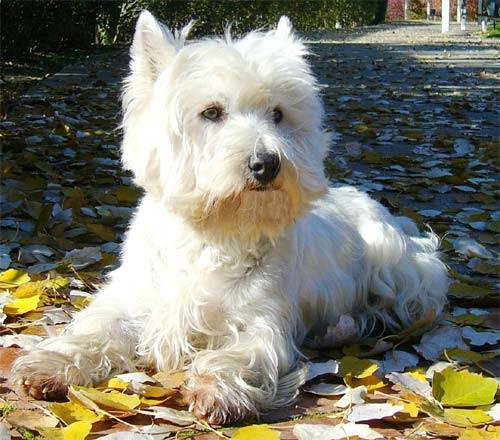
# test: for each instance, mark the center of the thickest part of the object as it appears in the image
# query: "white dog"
(238, 253)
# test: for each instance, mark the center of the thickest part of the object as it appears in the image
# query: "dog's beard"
(251, 212)
(267, 207)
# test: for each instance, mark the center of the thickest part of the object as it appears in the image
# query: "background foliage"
(30, 25)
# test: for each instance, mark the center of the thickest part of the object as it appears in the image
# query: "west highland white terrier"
(239, 253)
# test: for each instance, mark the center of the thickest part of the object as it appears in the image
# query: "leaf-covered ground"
(414, 119)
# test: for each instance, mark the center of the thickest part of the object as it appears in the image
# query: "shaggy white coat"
(219, 277)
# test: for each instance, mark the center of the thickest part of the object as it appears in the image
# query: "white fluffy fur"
(220, 278)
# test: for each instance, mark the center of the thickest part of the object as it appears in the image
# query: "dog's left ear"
(154, 46)
(284, 28)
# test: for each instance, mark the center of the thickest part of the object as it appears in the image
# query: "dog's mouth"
(262, 188)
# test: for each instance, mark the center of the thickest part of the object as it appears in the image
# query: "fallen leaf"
(487, 433)
(19, 340)
(181, 418)
(252, 432)
(372, 411)
(370, 382)
(75, 431)
(410, 408)
(494, 412)
(108, 400)
(397, 360)
(355, 367)
(471, 248)
(411, 383)
(12, 278)
(21, 305)
(462, 388)
(171, 379)
(31, 419)
(352, 396)
(480, 337)
(435, 342)
(337, 432)
(466, 417)
(464, 290)
(70, 412)
(326, 389)
(81, 258)
(316, 369)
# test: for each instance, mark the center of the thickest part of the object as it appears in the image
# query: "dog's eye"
(213, 113)
(277, 115)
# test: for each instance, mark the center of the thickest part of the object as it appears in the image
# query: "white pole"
(445, 16)
(428, 9)
(463, 14)
(459, 10)
(406, 9)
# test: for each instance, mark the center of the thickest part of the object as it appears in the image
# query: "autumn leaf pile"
(417, 129)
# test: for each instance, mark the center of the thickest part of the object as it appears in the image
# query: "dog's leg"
(240, 380)
(408, 279)
(99, 342)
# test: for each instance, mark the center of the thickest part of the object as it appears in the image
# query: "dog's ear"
(153, 47)
(284, 28)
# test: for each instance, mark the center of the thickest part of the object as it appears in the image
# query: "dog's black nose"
(264, 166)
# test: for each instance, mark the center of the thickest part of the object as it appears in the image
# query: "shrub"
(29, 25)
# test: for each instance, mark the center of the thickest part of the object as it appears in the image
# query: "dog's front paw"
(42, 386)
(45, 375)
(215, 401)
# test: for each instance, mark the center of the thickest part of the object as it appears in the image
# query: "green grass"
(7, 408)
(29, 435)
(493, 33)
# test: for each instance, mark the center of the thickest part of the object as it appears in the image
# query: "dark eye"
(277, 115)
(213, 113)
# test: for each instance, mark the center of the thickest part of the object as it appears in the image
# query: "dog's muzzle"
(264, 166)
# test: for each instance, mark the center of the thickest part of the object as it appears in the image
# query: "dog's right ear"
(153, 48)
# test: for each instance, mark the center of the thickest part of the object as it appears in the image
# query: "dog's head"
(227, 133)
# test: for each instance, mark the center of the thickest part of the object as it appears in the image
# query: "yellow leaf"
(357, 368)
(58, 282)
(467, 356)
(152, 402)
(253, 432)
(12, 278)
(21, 305)
(370, 382)
(469, 319)
(30, 289)
(466, 417)
(70, 412)
(33, 288)
(127, 194)
(115, 383)
(411, 409)
(150, 391)
(487, 433)
(111, 400)
(418, 374)
(75, 431)
(143, 389)
(463, 290)
(462, 388)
